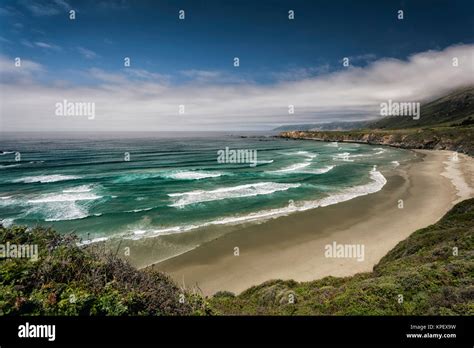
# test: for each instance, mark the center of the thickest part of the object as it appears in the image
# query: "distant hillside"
(324, 126)
(423, 268)
(446, 123)
(452, 109)
(456, 108)
(460, 139)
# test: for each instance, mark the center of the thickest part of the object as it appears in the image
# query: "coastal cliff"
(460, 139)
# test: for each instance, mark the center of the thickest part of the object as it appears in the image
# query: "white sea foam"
(192, 175)
(395, 163)
(6, 153)
(319, 170)
(7, 222)
(333, 144)
(9, 165)
(162, 231)
(64, 197)
(64, 213)
(94, 240)
(307, 154)
(453, 172)
(379, 151)
(249, 190)
(79, 189)
(377, 182)
(346, 156)
(57, 210)
(125, 178)
(343, 156)
(138, 210)
(292, 168)
(47, 178)
(177, 175)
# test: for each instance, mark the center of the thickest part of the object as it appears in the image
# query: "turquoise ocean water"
(141, 185)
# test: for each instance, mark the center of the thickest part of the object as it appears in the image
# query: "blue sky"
(199, 50)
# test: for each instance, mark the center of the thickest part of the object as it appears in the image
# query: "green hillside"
(452, 109)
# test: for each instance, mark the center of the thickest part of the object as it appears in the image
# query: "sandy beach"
(293, 247)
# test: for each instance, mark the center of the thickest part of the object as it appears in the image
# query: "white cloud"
(86, 53)
(45, 9)
(27, 43)
(63, 4)
(47, 45)
(19, 74)
(142, 100)
(204, 74)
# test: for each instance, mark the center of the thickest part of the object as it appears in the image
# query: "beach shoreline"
(293, 247)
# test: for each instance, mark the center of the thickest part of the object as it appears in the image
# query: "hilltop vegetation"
(71, 280)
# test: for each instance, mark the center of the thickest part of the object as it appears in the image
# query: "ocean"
(139, 185)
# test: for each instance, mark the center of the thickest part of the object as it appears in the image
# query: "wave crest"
(249, 190)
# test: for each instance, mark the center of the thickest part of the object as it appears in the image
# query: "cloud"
(27, 43)
(41, 9)
(47, 45)
(86, 53)
(19, 75)
(129, 100)
(63, 4)
(296, 74)
(7, 11)
(197, 76)
(201, 74)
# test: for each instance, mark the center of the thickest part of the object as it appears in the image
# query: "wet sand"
(293, 247)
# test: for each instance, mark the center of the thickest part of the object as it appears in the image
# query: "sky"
(187, 64)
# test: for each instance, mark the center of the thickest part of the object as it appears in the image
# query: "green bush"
(71, 280)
